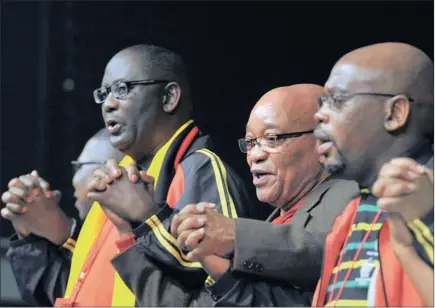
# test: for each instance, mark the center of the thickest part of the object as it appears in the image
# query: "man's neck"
(165, 133)
(308, 187)
(413, 150)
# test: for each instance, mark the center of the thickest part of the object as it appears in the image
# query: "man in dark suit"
(274, 263)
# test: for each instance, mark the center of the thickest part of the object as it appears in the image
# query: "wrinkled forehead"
(349, 77)
(270, 115)
(125, 67)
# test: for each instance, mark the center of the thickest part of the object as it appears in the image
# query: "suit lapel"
(311, 201)
(274, 215)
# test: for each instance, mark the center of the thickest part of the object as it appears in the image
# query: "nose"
(256, 155)
(321, 116)
(110, 104)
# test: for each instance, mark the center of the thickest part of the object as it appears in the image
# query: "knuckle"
(12, 182)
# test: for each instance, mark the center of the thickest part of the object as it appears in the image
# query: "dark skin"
(109, 186)
(145, 114)
(405, 191)
(149, 116)
(362, 125)
(293, 169)
(97, 149)
(29, 196)
(352, 135)
(23, 201)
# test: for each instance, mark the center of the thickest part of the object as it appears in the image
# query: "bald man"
(275, 262)
(375, 126)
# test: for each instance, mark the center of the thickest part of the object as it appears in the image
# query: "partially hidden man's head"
(378, 101)
(284, 167)
(96, 151)
(149, 92)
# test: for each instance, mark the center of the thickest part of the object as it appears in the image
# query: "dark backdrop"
(53, 55)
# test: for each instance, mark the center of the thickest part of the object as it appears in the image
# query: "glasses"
(268, 143)
(120, 89)
(76, 165)
(336, 100)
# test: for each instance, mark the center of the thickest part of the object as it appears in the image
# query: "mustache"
(322, 136)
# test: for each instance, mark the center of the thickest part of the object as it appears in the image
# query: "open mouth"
(113, 126)
(260, 175)
(260, 178)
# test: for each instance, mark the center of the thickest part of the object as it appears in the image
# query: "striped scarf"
(162, 168)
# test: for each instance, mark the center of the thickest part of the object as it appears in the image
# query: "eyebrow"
(114, 81)
(267, 126)
(335, 90)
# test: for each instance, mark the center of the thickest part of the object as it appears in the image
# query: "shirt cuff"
(16, 241)
(164, 213)
(221, 286)
(125, 243)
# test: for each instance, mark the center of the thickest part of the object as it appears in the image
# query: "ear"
(171, 98)
(397, 112)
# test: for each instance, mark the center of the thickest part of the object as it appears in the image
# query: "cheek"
(272, 192)
(82, 193)
(249, 161)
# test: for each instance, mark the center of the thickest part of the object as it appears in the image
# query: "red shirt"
(285, 219)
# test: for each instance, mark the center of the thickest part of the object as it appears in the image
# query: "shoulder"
(205, 159)
(341, 191)
(200, 159)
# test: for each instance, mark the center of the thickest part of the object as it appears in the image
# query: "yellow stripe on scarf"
(122, 296)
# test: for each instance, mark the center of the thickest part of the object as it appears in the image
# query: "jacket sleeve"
(202, 176)
(41, 268)
(153, 285)
(229, 291)
(291, 252)
(422, 230)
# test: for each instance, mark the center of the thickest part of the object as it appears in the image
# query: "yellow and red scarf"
(162, 168)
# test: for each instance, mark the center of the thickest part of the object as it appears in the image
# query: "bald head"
(399, 68)
(390, 114)
(297, 103)
(284, 153)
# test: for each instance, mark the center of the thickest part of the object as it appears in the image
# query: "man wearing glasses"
(146, 106)
(95, 153)
(255, 263)
(375, 126)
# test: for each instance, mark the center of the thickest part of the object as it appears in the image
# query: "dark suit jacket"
(292, 252)
(270, 260)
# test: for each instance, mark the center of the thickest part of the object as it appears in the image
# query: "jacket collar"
(312, 199)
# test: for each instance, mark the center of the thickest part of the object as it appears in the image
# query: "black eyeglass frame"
(277, 137)
(128, 85)
(342, 97)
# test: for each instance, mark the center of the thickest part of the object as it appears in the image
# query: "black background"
(235, 51)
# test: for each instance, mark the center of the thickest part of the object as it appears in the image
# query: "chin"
(335, 163)
(266, 196)
(121, 142)
(334, 167)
